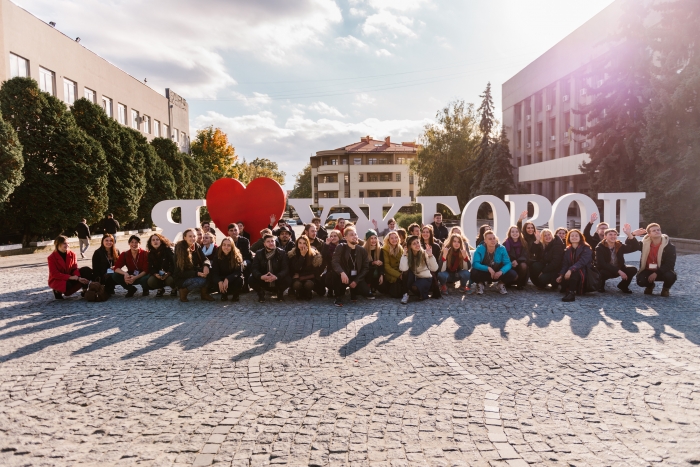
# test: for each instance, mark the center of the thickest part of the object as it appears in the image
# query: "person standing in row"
(135, 260)
(270, 270)
(110, 225)
(161, 264)
(65, 278)
(227, 270)
(82, 231)
(191, 267)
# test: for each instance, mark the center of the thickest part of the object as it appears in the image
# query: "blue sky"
(285, 79)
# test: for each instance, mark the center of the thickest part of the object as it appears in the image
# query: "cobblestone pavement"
(466, 380)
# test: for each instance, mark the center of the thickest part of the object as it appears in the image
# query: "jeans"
(667, 277)
(478, 276)
(118, 279)
(461, 276)
(278, 289)
(194, 283)
(360, 289)
(421, 286)
(629, 270)
(84, 245)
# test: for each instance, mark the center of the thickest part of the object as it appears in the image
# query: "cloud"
(443, 42)
(325, 109)
(398, 5)
(182, 44)
(385, 23)
(350, 42)
(382, 53)
(362, 99)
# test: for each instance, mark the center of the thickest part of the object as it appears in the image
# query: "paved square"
(492, 380)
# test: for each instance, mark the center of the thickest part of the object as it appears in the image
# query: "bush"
(404, 220)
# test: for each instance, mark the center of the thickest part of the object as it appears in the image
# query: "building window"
(325, 162)
(134, 119)
(383, 160)
(121, 114)
(47, 80)
(398, 177)
(18, 66)
(90, 95)
(346, 178)
(146, 124)
(70, 89)
(372, 161)
(107, 106)
(400, 160)
(410, 179)
(385, 193)
(362, 194)
(410, 194)
(357, 161)
(372, 194)
(156, 128)
(372, 177)
(362, 177)
(345, 162)
(316, 181)
(398, 192)
(334, 162)
(166, 131)
(384, 177)
(176, 135)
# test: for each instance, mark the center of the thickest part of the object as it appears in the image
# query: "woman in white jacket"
(419, 264)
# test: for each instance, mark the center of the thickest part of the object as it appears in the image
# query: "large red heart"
(229, 200)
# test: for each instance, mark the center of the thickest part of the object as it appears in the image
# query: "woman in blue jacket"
(577, 257)
(491, 263)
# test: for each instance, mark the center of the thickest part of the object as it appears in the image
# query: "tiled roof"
(367, 144)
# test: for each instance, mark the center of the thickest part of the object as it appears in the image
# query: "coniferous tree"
(11, 161)
(616, 110)
(670, 154)
(160, 183)
(486, 123)
(498, 179)
(65, 170)
(168, 151)
(127, 181)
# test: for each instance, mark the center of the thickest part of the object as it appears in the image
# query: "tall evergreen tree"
(65, 170)
(160, 183)
(486, 123)
(670, 154)
(127, 180)
(616, 110)
(498, 178)
(11, 161)
(168, 151)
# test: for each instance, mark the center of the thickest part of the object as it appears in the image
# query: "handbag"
(592, 279)
(96, 293)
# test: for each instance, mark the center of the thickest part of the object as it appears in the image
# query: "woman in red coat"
(64, 275)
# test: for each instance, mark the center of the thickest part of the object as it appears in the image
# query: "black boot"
(235, 297)
(57, 295)
(224, 297)
(146, 292)
(160, 292)
(130, 291)
(570, 297)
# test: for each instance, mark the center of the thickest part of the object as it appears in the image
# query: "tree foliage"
(498, 178)
(302, 183)
(65, 170)
(259, 167)
(213, 152)
(11, 161)
(169, 153)
(160, 182)
(480, 165)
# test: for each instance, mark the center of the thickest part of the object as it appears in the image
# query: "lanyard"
(136, 261)
(354, 260)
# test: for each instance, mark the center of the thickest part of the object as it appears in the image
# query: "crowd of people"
(423, 261)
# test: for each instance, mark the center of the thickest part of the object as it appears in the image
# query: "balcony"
(334, 186)
(329, 169)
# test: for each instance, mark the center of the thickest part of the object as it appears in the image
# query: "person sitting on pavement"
(439, 229)
(375, 275)
(208, 245)
(280, 224)
(491, 263)
(545, 269)
(518, 252)
(285, 239)
(321, 231)
(135, 260)
(658, 261)
(531, 237)
(593, 239)
(610, 261)
(573, 274)
(456, 263)
(161, 264)
(241, 230)
(351, 265)
(270, 270)
(418, 266)
(191, 267)
(305, 267)
(65, 278)
(392, 252)
(82, 231)
(242, 244)
(103, 261)
(227, 270)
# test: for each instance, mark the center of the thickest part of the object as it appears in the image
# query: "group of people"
(424, 261)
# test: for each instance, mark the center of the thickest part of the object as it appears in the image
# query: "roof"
(367, 144)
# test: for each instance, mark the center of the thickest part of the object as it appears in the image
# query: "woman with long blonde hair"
(227, 270)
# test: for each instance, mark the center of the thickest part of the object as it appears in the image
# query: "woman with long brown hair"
(191, 267)
(103, 260)
(518, 250)
(161, 264)
(577, 257)
(305, 267)
(227, 270)
(418, 264)
(456, 263)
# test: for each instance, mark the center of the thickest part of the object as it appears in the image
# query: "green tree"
(448, 146)
(160, 183)
(498, 178)
(486, 122)
(259, 167)
(670, 153)
(11, 161)
(168, 151)
(65, 170)
(127, 179)
(616, 111)
(302, 183)
(214, 153)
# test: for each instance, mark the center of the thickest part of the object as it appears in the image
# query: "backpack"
(96, 293)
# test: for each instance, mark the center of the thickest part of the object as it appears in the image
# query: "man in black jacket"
(286, 240)
(658, 258)
(321, 231)
(83, 232)
(610, 261)
(270, 270)
(351, 263)
(243, 245)
(311, 231)
(110, 224)
(593, 239)
(439, 229)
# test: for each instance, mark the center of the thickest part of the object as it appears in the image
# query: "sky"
(286, 78)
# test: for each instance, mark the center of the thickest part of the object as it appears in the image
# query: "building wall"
(44, 46)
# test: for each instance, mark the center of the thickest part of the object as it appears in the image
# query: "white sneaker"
(502, 289)
(480, 288)
(404, 299)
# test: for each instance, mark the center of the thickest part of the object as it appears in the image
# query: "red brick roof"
(368, 144)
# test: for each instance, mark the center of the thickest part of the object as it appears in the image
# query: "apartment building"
(538, 109)
(368, 169)
(67, 70)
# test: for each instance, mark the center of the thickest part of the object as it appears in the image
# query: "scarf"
(515, 247)
(209, 251)
(269, 254)
(454, 260)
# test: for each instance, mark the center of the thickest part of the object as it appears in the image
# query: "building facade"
(539, 105)
(368, 169)
(67, 70)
